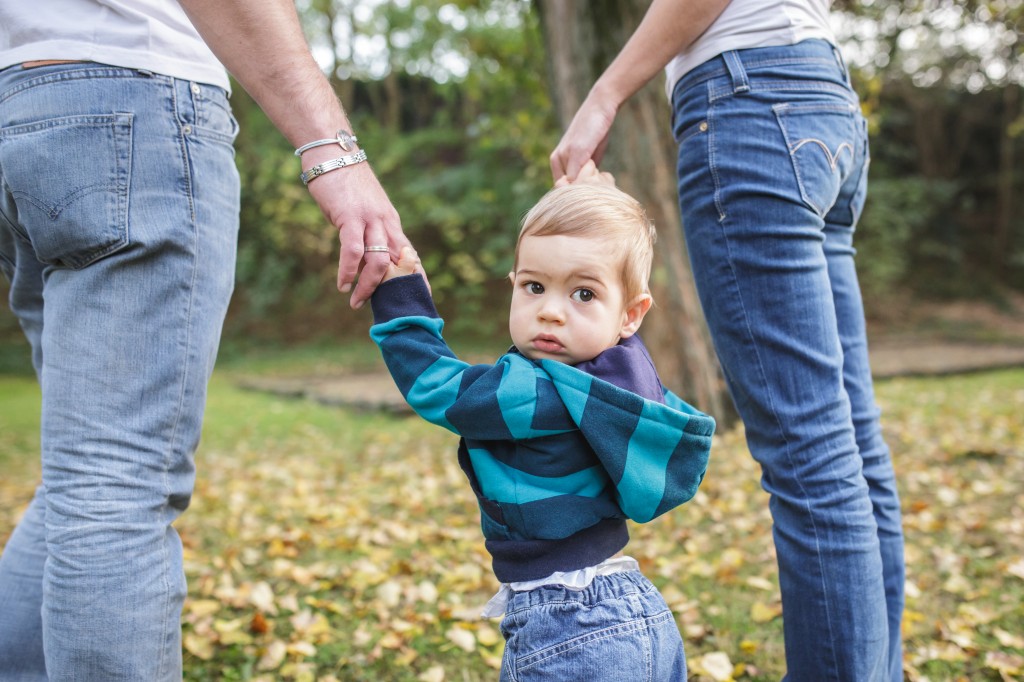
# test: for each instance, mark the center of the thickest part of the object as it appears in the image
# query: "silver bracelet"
(344, 139)
(334, 164)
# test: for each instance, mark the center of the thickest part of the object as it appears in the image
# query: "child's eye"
(583, 295)
(535, 287)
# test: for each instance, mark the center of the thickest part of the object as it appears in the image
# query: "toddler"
(565, 437)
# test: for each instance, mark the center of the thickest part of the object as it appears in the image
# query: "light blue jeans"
(773, 158)
(118, 225)
(618, 628)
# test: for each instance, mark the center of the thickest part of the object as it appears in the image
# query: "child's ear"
(634, 315)
(512, 277)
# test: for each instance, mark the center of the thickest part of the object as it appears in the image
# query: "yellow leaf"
(361, 637)
(956, 584)
(389, 593)
(492, 661)
(202, 607)
(763, 613)
(390, 640)
(463, 639)
(760, 583)
(749, 646)
(273, 656)
(305, 649)
(434, 673)
(1004, 662)
(487, 636)
(715, 665)
(233, 631)
(200, 647)
(1008, 640)
(262, 597)
(427, 591)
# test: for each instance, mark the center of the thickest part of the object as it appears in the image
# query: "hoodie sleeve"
(512, 399)
(656, 454)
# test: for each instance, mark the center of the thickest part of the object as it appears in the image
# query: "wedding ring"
(377, 249)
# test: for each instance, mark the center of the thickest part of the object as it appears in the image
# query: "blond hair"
(600, 211)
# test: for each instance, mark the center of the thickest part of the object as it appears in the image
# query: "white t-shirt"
(753, 23)
(153, 35)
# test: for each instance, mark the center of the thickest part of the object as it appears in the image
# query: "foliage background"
(451, 101)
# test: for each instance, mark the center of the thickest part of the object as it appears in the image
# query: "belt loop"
(842, 63)
(736, 71)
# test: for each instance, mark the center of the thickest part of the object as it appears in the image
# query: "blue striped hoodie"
(557, 455)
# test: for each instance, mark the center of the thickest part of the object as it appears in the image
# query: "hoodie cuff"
(405, 296)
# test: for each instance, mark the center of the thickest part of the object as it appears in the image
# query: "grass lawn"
(325, 544)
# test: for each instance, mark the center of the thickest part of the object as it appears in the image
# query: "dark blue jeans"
(773, 158)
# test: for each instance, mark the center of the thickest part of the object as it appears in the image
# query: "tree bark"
(582, 38)
(1001, 242)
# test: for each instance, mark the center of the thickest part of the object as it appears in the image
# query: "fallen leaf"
(715, 665)
(434, 673)
(273, 656)
(763, 613)
(200, 647)
(462, 638)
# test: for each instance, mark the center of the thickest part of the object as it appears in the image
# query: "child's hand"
(408, 264)
(589, 173)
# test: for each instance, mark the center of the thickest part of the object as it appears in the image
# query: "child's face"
(568, 303)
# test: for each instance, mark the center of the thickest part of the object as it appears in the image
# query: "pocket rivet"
(187, 130)
(703, 126)
(195, 88)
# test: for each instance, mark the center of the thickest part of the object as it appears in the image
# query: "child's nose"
(551, 311)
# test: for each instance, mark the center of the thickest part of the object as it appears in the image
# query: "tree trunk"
(1004, 197)
(582, 38)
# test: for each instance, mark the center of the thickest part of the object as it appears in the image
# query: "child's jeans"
(618, 628)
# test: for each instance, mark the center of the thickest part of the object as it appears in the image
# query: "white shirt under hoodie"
(753, 23)
(152, 35)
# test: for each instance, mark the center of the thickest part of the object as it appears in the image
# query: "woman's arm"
(668, 28)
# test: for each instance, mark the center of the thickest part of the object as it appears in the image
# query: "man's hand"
(290, 88)
(355, 203)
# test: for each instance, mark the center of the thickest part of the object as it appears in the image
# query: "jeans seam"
(749, 65)
(172, 441)
(710, 118)
(717, 93)
(762, 377)
(81, 72)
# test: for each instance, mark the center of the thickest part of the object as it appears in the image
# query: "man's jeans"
(118, 226)
(617, 628)
(773, 158)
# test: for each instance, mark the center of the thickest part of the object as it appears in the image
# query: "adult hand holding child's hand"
(408, 264)
(588, 173)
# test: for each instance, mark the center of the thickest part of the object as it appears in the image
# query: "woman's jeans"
(773, 158)
(118, 225)
(618, 628)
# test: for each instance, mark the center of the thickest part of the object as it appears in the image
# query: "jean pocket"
(213, 115)
(69, 179)
(683, 136)
(824, 148)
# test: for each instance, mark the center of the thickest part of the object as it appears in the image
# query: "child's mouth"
(547, 344)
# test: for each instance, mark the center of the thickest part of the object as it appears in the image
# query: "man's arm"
(263, 47)
(668, 28)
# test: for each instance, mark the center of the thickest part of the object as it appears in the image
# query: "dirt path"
(376, 391)
(908, 338)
